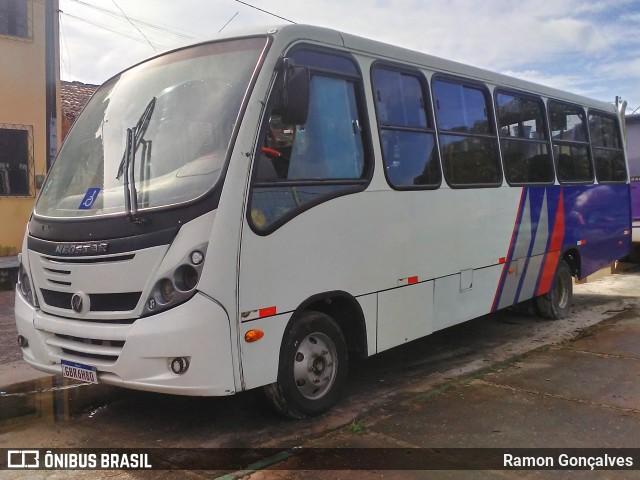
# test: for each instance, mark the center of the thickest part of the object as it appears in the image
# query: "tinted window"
(525, 151)
(469, 146)
(570, 146)
(325, 61)
(520, 117)
(399, 99)
(461, 108)
(606, 144)
(604, 131)
(567, 122)
(407, 138)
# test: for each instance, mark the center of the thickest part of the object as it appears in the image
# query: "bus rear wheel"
(556, 304)
(313, 367)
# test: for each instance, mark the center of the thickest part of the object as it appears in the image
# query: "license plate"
(79, 371)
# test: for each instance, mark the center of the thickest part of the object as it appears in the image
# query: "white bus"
(255, 210)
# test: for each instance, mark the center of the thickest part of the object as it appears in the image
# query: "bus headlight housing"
(177, 285)
(24, 284)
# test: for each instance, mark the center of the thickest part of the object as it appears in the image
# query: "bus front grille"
(100, 302)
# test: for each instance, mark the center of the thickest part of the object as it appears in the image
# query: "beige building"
(29, 110)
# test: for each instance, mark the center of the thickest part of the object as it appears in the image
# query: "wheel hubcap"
(315, 366)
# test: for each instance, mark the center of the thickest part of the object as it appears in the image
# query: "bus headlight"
(24, 284)
(186, 277)
(167, 290)
(25, 287)
(178, 284)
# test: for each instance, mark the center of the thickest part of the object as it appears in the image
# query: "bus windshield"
(181, 109)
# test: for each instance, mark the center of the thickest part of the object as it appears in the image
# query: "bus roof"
(290, 33)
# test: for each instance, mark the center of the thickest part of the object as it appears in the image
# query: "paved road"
(9, 350)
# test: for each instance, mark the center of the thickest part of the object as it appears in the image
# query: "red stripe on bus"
(555, 246)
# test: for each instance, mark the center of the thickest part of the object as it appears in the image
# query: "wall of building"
(23, 105)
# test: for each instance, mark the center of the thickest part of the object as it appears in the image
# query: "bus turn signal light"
(253, 336)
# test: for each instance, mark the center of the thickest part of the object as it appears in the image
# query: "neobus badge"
(82, 249)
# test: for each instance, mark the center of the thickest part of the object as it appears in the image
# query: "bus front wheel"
(313, 367)
(556, 304)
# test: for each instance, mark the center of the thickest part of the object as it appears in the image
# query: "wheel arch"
(346, 311)
(572, 257)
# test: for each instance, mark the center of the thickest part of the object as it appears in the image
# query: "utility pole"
(52, 75)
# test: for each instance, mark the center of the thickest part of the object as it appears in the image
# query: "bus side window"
(299, 166)
(328, 146)
(570, 143)
(406, 131)
(526, 152)
(606, 145)
(469, 145)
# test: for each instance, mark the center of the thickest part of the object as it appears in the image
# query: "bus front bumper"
(138, 355)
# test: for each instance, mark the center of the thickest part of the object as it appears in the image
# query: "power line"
(109, 28)
(264, 11)
(64, 40)
(145, 23)
(135, 26)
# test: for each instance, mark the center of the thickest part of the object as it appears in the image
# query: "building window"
(16, 161)
(15, 18)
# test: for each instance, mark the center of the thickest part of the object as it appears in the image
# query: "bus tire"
(556, 304)
(313, 367)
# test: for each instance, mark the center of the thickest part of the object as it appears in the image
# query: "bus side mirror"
(294, 104)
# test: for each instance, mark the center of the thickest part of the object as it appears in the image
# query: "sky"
(590, 48)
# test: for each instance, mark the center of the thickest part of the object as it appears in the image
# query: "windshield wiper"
(127, 164)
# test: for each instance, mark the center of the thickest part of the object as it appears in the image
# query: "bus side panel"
(260, 359)
(591, 219)
(597, 217)
(368, 242)
(457, 300)
(538, 230)
(414, 303)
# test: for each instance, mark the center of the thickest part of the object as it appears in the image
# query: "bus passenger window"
(570, 143)
(606, 145)
(526, 153)
(406, 131)
(468, 143)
